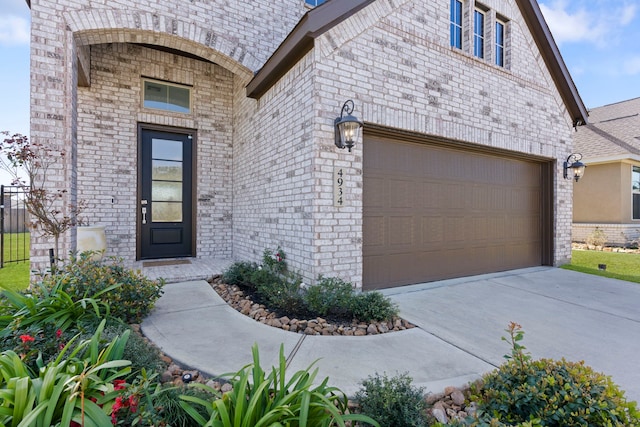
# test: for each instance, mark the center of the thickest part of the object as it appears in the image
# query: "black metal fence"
(14, 225)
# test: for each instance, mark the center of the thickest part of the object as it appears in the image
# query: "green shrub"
(275, 261)
(49, 305)
(147, 403)
(276, 399)
(330, 295)
(373, 306)
(279, 289)
(142, 354)
(35, 342)
(557, 393)
(263, 278)
(393, 402)
(239, 274)
(597, 238)
(172, 412)
(79, 385)
(275, 286)
(281, 293)
(130, 302)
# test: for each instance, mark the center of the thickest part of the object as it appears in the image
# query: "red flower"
(26, 338)
(58, 333)
(119, 384)
(133, 403)
(114, 410)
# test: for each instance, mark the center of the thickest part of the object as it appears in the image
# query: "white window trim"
(633, 190)
(482, 11)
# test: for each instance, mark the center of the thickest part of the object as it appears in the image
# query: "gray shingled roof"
(613, 132)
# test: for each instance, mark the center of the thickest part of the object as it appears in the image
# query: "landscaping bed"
(236, 298)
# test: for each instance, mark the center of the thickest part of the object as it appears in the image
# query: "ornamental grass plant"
(261, 399)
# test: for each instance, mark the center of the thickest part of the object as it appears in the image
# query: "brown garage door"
(434, 212)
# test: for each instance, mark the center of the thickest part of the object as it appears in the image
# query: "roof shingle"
(613, 131)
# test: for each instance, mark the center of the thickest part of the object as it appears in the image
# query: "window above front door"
(166, 96)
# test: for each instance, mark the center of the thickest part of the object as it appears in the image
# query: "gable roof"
(322, 18)
(613, 133)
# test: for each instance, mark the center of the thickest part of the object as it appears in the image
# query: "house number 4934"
(339, 177)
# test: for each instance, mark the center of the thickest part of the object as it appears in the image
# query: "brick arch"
(97, 26)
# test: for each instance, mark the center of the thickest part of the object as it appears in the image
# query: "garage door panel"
(432, 195)
(374, 194)
(401, 193)
(454, 229)
(432, 212)
(432, 231)
(401, 231)
(455, 197)
(375, 226)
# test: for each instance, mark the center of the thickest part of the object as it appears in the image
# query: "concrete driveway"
(563, 313)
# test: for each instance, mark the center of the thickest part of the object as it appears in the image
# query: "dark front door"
(165, 205)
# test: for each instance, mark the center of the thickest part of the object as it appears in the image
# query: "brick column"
(53, 114)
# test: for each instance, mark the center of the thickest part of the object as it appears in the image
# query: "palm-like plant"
(260, 400)
(76, 386)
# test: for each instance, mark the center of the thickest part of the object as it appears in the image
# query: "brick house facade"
(266, 81)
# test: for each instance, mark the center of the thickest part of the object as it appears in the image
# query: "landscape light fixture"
(347, 127)
(577, 167)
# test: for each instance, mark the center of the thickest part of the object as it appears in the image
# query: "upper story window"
(314, 3)
(166, 96)
(635, 190)
(500, 37)
(456, 24)
(478, 33)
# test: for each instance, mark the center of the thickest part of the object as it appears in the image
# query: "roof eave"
(300, 41)
(554, 61)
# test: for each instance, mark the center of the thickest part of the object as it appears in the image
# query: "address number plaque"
(339, 176)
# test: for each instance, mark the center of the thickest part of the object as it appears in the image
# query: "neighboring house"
(206, 129)
(608, 197)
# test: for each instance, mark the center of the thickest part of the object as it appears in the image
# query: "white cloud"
(598, 23)
(628, 14)
(14, 30)
(571, 26)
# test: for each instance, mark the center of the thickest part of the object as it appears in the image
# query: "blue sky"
(599, 40)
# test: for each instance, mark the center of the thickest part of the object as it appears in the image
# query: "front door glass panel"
(166, 180)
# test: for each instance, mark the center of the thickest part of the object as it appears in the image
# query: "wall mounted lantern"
(347, 127)
(577, 167)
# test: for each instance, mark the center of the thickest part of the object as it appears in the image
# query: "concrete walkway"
(564, 314)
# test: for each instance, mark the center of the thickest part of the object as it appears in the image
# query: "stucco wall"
(603, 194)
(108, 115)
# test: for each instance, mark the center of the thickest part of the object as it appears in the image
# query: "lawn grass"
(15, 275)
(622, 266)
